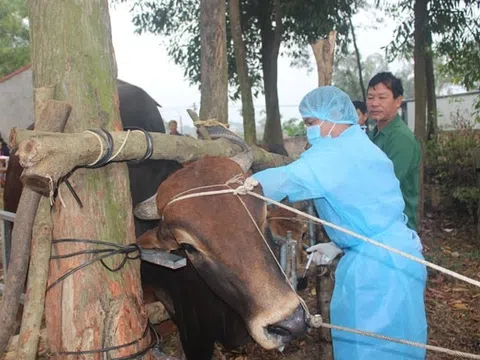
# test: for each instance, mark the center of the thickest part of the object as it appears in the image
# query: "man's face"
(172, 127)
(380, 103)
(362, 118)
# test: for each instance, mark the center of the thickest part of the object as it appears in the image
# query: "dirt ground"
(453, 307)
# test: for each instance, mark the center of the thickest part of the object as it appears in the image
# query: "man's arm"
(296, 180)
(403, 151)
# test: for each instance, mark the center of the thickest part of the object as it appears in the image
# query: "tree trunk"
(430, 85)
(93, 308)
(421, 92)
(248, 111)
(323, 50)
(421, 19)
(359, 61)
(271, 40)
(214, 71)
(45, 161)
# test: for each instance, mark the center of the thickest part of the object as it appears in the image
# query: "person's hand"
(323, 253)
(247, 186)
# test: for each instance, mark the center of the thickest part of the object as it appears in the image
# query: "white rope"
(316, 321)
(237, 180)
(101, 147)
(336, 227)
(401, 341)
(121, 146)
(373, 242)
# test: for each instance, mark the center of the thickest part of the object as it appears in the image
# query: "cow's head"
(224, 245)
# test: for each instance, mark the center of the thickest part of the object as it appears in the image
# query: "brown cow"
(225, 247)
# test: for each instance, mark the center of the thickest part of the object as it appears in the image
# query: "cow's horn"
(147, 210)
(244, 159)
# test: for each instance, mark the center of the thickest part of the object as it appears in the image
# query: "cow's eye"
(188, 248)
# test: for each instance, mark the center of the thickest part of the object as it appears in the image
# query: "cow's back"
(138, 109)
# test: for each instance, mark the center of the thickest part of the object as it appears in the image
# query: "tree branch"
(48, 157)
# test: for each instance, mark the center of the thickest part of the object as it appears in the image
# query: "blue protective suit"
(375, 290)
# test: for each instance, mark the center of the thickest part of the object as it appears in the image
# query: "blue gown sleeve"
(296, 180)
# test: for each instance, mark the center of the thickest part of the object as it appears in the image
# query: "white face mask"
(314, 133)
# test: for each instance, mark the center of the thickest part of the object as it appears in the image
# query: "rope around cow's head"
(247, 186)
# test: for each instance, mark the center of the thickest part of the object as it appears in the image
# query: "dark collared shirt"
(398, 142)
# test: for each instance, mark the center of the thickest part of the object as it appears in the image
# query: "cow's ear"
(153, 239)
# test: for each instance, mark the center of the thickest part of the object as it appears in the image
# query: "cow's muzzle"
(290, 328)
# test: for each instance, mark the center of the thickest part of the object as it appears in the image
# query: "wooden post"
(33, 311)
(21, 236)
(94, 308)
(323, 51)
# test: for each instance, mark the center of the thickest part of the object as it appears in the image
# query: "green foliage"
(14, 36)
(467, 198)
(345, 72)
(455, 31)
(450, 164)
(303, 22)
(460, 67)
(294, 127)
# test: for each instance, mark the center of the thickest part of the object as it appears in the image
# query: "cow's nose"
(291, 327)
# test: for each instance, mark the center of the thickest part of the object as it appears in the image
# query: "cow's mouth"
(288, 329)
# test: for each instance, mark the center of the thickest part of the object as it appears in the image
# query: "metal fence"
(6, 224)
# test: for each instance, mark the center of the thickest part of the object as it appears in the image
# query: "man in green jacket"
(392, 135)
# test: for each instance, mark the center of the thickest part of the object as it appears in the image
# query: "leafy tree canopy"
(303, 21)
(14, 36)
(345, 74)
(455, 29)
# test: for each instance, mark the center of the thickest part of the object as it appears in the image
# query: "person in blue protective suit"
(375, 290)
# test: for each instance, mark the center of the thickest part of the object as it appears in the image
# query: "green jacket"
(398, 142)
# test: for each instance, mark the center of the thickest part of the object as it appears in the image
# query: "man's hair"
(172, 122)
(360, 105)
(390, 81)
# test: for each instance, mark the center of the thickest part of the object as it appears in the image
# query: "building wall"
(452, 110)
(16, 102)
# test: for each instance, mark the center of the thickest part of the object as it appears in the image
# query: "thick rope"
(238, 180)
(101, 146)
(336, 227)
(371, 241)
(401, 341)
(316, 321)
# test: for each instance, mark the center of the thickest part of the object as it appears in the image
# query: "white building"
(16, 100)
(453, 111)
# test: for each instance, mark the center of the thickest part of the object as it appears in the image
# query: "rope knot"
(247, 186)
(315, 321)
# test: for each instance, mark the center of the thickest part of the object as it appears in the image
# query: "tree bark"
(421, 19)
(421, 89)
(271, 40)
(45, 161)
(359, 61)
(93, 308)
(22, 232)
(37, 282)
(214, 71)
(430, 86)
(248, 111)
(323, 51)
